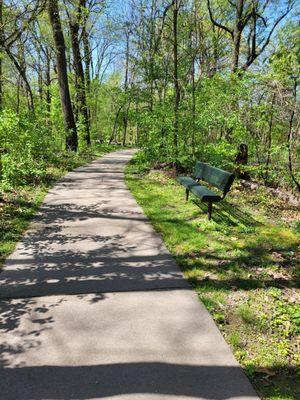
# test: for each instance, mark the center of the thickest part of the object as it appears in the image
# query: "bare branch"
(225, 28)
(264, 43)
(18, 32)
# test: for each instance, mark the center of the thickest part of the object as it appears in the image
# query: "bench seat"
(186, 181)
(204, 193)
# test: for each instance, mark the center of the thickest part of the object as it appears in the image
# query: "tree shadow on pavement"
(149, 379)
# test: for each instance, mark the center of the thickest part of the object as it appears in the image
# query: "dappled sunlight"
(114, 344)
(95, 242)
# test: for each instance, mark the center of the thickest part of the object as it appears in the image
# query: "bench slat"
(214, 176)
(186, 181)
(205, 194)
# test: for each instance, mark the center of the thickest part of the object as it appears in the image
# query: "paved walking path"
(93, 306)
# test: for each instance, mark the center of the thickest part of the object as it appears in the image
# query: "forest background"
(180, 79)
(213, 80)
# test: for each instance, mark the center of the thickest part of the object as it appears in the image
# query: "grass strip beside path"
(244, 265)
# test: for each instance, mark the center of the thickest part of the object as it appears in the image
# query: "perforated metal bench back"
(214, 176)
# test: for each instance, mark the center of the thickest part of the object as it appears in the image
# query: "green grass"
(19, 204)
(244, 265)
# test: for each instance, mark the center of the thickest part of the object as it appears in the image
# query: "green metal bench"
(213, 176)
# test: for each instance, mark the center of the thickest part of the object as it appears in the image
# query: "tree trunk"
(125, 125)
(23, 75)
(237, 33)
(72, 139)
(1, 54)
(18, 94)
(193, 47)
(87, 71)
(48, 83)
(40, 76)
(86, 50)
(78, 69)
(175, 79)
(113, 136)
(125, 115)
(289, 138)
(269, 140)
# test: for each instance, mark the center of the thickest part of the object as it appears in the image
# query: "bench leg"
(187, 192)
(209, 210)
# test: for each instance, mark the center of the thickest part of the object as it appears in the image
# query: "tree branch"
(214, 22)
(257, 52)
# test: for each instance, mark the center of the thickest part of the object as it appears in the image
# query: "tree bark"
(125, 115)
(237, 34)
(86, 50)
(78, 69)
(87, 62)
(23, 75)
(269, 139)
(1, 54)
(71, 139)
(289, 138)
(175, 79)
(48, 83)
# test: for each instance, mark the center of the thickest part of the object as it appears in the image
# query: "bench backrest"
(214, 176)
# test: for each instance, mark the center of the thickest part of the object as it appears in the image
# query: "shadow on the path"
(65, 382)
(100, 381)
(63, 255)
(18, 339)
(96, 239)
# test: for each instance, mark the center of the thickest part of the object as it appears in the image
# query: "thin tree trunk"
(175, 79)
(193, 42)
(289, 138)
(151, 55)
(1, 54)
(23, 75)
(125, 116)
(86, 50)
(18, 94)
(48, 82)
(237, 33)
(72, 139)
(114, 131)
(269, 139)
(87, 71)
(40, 77)
(125, 124)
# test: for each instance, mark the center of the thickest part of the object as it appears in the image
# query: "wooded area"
(181, 79)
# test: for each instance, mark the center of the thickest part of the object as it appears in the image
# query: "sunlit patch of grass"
(16, 209)
(246, 313)
(244, 265)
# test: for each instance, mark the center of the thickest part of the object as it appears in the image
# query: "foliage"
(228, 112)
(130, 89)
(24, 141)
